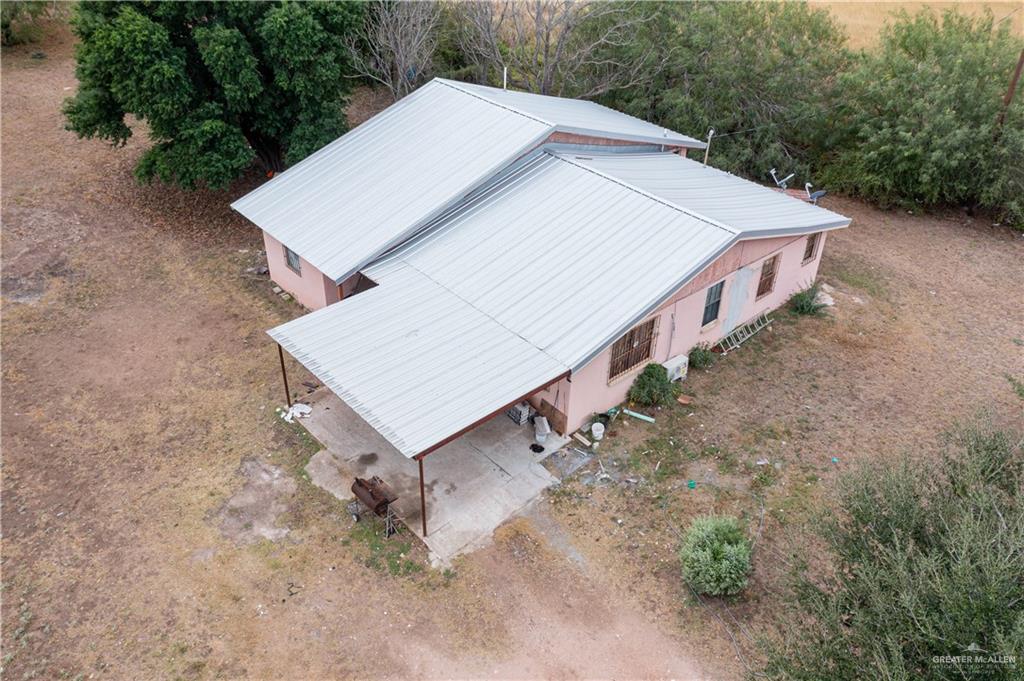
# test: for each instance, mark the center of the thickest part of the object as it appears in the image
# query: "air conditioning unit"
(677, 367)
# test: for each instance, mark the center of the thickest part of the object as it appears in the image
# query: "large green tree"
(761, 74)
(218, 83)
(919, 119)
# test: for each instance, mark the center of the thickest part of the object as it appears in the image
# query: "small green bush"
(701, 356)
(805, 301)
(716, 556)
(652, 387)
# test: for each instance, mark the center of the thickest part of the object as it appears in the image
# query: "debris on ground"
(638, 415)
(297, 410)
(566, 461)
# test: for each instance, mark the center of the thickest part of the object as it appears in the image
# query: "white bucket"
(597, 430)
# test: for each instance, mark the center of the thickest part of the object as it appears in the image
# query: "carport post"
(423, 498)
(284, 375)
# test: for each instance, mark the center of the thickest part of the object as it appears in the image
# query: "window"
(768, 271)
(633, 349)
(811, 249)
(712, 303)
(293, 260)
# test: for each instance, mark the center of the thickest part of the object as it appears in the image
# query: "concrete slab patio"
(472, 484)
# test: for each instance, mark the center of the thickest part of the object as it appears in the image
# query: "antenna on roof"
(707, 149)
(504, 79)
(812, 197)
(784, 182)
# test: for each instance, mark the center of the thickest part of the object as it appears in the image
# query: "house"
(470, 247)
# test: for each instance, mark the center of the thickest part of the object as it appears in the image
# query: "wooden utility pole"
(284, 376)
(1010, 91)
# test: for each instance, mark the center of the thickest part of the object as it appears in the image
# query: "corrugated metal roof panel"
(415, 361)
(561, 255)
(532, 275)
(752, 209)
(581, 116)
(366, 191)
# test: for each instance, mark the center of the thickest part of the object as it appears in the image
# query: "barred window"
(712, 303)
(811, 249)
(768, 271)
(634, 348)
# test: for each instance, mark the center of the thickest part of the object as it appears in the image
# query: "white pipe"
(707, 149)
(504, 79)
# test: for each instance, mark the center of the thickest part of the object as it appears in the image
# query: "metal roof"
(580, 116)
(375, 186)
(415, 361)
(529, 279)
(561, 255)
(752, 209)
(365, 192)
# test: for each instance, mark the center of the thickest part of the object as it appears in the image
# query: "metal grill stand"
(374, 496)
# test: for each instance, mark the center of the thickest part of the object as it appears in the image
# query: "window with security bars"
(633, 349)
(811, 249)
(768, 271)
(712, 303)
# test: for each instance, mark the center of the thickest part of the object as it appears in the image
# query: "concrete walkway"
(473, 484)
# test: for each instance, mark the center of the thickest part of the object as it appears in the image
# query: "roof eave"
(589, 357)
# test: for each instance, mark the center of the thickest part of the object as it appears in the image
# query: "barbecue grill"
(374, 495)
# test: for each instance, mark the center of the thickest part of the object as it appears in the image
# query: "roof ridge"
(454, 84)
(643, 192)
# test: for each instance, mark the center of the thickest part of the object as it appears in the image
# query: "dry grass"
(864, 20)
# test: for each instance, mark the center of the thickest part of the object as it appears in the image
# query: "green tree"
(927, 562)
(918, 119)
(218, 83)
(760, 73)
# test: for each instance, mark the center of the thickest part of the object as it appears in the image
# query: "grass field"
(864, 20)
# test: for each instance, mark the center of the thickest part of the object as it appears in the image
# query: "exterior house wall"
(679, 319)
(590, 140)
(309, 286)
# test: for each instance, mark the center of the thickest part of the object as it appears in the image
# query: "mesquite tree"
(396, 44)
(557, 47)
(218, 84)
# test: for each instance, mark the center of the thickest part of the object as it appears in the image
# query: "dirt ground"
(157, 523)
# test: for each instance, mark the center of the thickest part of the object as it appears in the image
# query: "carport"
(469, 486)
(417, 364)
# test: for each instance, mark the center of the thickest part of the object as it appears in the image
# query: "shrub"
(919, 118)
(924, 560)
(652, 387)
(716, 556)
(806, 301)
(701, 356)
(20, 20)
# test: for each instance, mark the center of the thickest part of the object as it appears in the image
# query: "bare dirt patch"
(251, 514)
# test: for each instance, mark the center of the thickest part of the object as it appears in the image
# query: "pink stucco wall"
(310, 287)
(679, 327)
